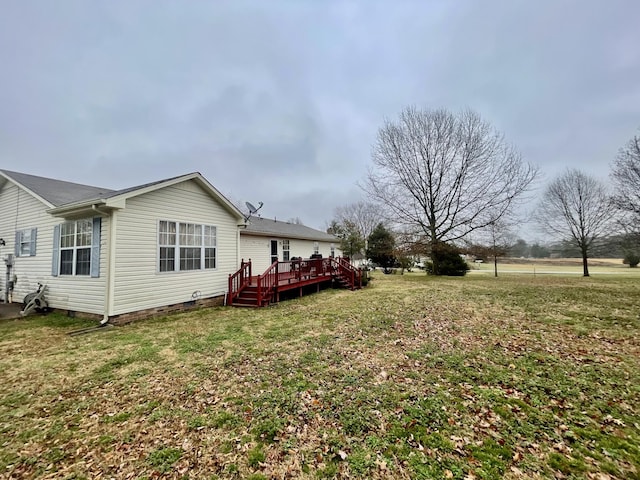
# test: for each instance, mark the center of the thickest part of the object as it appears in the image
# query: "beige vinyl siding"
(258, 249)
(21, 211)
(304, 248)
(138, 282)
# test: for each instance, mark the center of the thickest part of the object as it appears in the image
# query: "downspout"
(111, 260)
(110, 296)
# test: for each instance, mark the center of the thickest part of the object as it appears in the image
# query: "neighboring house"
(119, 254)
(266, 240)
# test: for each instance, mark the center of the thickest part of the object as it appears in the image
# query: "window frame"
(189, 243)
(78, 252)
(316, 248)
(286, 250)
(31, 234)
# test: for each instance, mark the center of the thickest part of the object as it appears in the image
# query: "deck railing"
(351, 275)
(239, 280)
(267, 283)
(301, 270)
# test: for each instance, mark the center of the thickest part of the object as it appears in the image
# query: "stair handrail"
(351, 275)
(239, 280)
(267, 282)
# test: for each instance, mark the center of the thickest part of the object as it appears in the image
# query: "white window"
(209, 246)
(186, 246)
(75, 247)
(286, 252)
(316, 248)
(333, 250)
(167, 243)
(26, 243)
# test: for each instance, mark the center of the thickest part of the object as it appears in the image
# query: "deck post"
(259, 292)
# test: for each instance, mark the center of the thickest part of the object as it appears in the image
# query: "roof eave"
(281, 235)
(88, 207)
(28, 190)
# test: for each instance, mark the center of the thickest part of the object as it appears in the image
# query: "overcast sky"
(280, 101)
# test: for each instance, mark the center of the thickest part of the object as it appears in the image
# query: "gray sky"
(280, 101)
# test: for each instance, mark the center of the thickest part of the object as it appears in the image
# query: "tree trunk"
(434, 257)
(585, 265)
(495, 265)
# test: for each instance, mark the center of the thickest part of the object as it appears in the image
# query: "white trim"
(29, 191)
(109, 296)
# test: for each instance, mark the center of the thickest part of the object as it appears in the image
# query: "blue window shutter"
(32, 246)
(55, 257)
(17, 245)
(95, 247)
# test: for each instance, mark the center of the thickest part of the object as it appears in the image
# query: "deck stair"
(246, 290)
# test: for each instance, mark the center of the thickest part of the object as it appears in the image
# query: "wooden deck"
(250, 290)
(288, 280)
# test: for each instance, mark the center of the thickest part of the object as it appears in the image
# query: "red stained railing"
(293, 271)
(239, 280)
(267, 283)
(351, 275)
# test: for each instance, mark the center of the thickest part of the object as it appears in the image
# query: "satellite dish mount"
(252, 209)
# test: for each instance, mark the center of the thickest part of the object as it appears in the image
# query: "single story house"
(266, 240)
(119, 254)
(124, 254)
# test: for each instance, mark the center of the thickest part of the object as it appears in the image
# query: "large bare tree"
(625, 175)
(445, 175)
(576, 208)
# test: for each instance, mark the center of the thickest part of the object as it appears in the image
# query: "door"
(274, 251)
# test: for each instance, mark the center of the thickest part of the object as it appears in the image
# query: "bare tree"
(365, 216)
(493, 242)
(625, 175)
(445, 175)
(576, 208)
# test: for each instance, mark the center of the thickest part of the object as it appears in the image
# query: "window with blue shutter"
(76, 248)
(25, 245)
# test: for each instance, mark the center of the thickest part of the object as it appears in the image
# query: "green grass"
(519, 376)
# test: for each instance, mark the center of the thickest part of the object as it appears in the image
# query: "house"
(118, 254)
(266, 240)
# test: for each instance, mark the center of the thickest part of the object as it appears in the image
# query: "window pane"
(25, 243)
(83, 261)
(167, 233)
(209, 258)
(67, 235)
(190, 258)
(83, 236)
(66, 262)
(209, 236)
(167, 259)
(190, 234)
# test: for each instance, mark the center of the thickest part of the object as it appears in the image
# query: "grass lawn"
(519, 376)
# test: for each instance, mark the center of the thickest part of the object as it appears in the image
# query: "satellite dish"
(252, 209)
